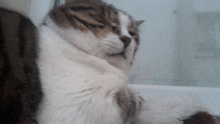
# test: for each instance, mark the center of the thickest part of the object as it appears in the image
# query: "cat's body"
(77, 85)
(19, 77)
(86, 49)
(80, 86)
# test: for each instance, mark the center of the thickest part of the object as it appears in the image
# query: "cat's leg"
(174, 109)
(129, 103)
(15, 107)
(200, 118)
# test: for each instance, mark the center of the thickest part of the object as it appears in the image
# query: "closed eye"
(114, 28)
(131, 33)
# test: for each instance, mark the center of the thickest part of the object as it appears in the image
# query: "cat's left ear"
(138, 23)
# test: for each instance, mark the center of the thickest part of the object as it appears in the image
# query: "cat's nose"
(126, 40)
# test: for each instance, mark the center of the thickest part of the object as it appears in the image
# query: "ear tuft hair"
(138, 23)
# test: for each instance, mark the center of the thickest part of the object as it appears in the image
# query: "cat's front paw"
(200, 118)
(194, 115)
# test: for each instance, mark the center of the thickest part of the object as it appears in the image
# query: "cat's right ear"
(138, 23)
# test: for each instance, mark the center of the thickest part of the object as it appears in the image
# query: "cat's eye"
(131, 33)
(114, 28)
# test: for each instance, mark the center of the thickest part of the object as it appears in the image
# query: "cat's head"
(98, 29)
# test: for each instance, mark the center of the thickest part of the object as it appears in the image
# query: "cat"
(85, 55)
(19, 77)
(80, 60)
(87, 48)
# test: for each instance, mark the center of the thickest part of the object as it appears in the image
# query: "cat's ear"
(138, 23)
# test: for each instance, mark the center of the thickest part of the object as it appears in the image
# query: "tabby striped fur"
(19, 77)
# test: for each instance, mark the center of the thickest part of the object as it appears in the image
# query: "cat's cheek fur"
(121, 62)
(112, 44)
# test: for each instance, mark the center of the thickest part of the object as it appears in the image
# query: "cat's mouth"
(122, 54)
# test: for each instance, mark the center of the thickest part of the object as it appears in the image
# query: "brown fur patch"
(200, 118)
(127, 103)
(94, 16)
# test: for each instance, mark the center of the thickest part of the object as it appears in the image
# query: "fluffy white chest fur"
(75, 84)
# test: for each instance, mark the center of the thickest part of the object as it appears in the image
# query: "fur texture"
(76, 81)
(86, 50)
(19, 77)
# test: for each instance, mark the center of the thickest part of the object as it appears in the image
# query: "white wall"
(38, 10)
(207, 71)
(207, 5)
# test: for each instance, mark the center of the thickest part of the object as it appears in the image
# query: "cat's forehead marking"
(124, 21)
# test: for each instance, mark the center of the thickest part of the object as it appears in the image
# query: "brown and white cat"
(85, 51)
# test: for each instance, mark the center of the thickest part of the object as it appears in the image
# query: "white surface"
(207, 5)
(209, 97)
